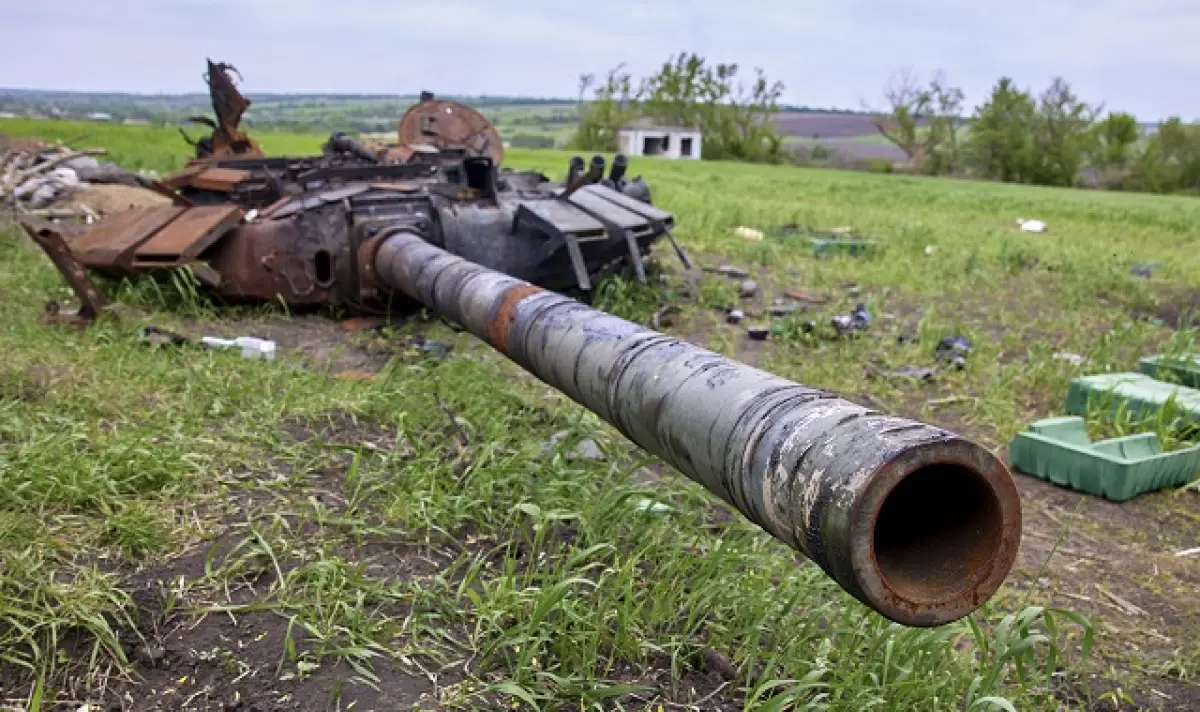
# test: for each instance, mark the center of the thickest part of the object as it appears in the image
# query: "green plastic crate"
(1058, 450)
(1184, 370)
(1137, 393)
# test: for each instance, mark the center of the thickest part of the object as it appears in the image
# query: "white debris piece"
(748, 233)
(251, 347)
(1072, 358)
(1031, 225)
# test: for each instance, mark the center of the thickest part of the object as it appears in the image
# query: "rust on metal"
(110, 244)
(184, 238)
(91, 300)
(226, 139)
(183, 176)
(442, 123)
(502, 320)
(224, 180)
(303, 229)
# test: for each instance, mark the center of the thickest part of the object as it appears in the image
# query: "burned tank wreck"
(917, 523)
(303, 229)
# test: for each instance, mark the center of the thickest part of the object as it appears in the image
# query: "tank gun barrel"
(918, 523)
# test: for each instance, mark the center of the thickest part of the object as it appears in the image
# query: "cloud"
(1133, 56)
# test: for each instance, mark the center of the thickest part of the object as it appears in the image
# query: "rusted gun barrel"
(916, 522)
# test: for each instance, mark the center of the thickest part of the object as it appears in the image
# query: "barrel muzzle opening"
(943, 537)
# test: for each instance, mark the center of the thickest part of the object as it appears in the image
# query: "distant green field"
(159, 148)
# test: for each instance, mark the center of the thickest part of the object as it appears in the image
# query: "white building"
(646, 138)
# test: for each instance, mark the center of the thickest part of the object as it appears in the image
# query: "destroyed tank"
(296, 229)
(917, 523)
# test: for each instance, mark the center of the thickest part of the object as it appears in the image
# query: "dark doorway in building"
(655, 145)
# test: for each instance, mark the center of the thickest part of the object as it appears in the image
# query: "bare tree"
(908, 106)
(586, 80)
(922, 120)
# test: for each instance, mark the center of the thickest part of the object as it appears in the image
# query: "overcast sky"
(1135, 56)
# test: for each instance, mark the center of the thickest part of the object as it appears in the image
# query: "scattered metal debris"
(91, 299)
(857, 320)
(954, 349)
(226, 139)
(735, 316)
(747, 288)
(758, 332)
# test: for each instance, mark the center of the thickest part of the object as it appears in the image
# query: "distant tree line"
(1054, 138)
(735, 118)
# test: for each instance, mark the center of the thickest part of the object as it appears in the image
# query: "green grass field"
(359, 521)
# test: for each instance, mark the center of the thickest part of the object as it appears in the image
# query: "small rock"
(588, 450)
(758, 332)
(747, 288)
(150, 655)
(735, 316)
(553, 441)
